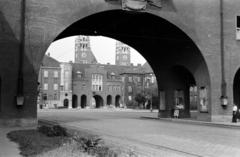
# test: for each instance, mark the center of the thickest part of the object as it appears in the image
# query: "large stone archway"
(47, 21)
(162, 44)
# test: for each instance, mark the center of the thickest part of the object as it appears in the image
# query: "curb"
(212, 124)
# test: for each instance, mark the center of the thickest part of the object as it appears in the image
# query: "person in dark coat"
(234, 114)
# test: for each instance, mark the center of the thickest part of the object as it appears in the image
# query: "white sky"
(102, 47)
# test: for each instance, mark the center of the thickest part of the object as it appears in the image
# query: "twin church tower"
(84, 55)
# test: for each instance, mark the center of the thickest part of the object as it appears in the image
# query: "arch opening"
(74, 101)
(161, 38)
(109, 100)
(83, 101)
(97, 101)
(118, 101)
(66, 103)
(182, 80)
(236, 88)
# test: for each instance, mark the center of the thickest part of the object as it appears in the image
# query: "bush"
(93, 146)
(56, 130)
(59, 131)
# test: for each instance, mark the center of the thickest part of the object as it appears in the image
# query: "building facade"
(49, 79)
(66, 85)
(95, 86)
(199, 37)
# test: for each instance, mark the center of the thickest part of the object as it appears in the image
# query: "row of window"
(45, 86)
(123, 49)
(46, 73)
(97, 87)
(97, 77)
(49, 97)
(136, 79)
(114, 88)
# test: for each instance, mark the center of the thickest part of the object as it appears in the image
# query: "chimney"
(132, 64)
(48, 54)
(108, 63)
(139, 65)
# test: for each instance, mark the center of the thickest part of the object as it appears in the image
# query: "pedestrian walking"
(234, 114)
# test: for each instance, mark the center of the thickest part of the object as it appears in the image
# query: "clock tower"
(83, 52)
(122, 54)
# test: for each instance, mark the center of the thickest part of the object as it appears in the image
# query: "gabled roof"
(147, 68)
(50, 62)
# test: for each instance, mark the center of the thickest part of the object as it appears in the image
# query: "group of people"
(236, 114)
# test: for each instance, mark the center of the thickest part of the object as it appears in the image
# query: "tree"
(151, 94)
(140, 98)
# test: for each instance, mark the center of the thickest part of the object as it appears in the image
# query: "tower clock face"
(84, 55)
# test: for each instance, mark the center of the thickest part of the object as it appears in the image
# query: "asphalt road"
(151, 137)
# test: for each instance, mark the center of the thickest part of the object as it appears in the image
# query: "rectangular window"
(238, 28)
(152, 79)
(55, 74)
(129, 97)
(55, 86)
(129, 89)
(97, 82)
(45, 86)
(129, 79)
(45, 73)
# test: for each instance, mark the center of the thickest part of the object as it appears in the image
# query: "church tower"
(122, 54)
(83, 52)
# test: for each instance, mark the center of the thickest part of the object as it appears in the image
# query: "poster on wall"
(203, 99)
(162, 100)
(179, 98)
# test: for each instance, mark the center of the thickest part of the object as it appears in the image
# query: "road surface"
(151, 137)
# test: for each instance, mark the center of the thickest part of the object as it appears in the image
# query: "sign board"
(203, 96)
(135, 5)
(162, 100)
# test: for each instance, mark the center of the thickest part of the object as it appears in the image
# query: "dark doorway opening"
(117, 100)
(66, 103)
(75, 101)
(236, 89)
(83, 101)
(109, 100)
(98, 101)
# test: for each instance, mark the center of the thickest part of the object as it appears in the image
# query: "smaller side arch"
(0, 94)
(83, 101)
(109, 100)
(236, 88)
(74, 101)
(117, 100)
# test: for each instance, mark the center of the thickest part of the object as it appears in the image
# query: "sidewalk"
(98, 110)
(196, 122)
(8, 148)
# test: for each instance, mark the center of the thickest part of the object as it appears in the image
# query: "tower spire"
(83, 52)
(122, 54)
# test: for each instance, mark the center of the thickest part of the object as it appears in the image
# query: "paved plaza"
(148, 136)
